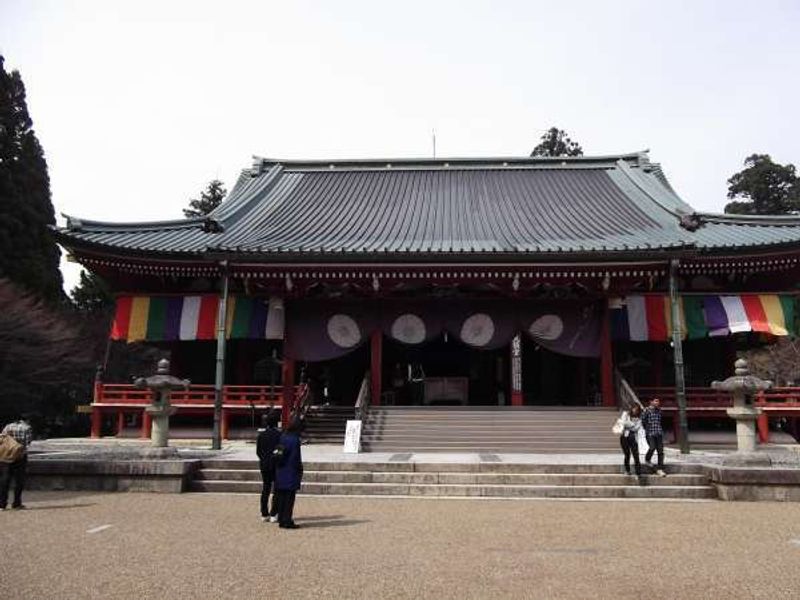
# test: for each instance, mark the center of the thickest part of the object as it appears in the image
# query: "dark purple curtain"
(321, 331)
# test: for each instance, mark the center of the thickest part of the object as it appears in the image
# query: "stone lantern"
(162, 384)
(744, 387)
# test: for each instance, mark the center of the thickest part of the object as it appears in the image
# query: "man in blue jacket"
(268, 437)
(288, 473)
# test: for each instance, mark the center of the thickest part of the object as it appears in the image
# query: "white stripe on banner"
(189, 317)
(637, 318)
(275, 319)
(737, 317)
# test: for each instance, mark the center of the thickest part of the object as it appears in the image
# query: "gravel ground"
(214, 546)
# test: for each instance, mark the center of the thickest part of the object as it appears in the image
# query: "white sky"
(139, 104)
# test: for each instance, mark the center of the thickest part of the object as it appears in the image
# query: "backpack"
(10, 449)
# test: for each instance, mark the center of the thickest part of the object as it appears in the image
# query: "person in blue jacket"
(288, 473)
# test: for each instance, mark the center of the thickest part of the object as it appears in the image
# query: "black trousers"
(285, 501)
(12, 472)
(630, 447)
(267, 477)
(656, 444)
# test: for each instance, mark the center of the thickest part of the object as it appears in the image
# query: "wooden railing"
(708, 400)
(196, 395)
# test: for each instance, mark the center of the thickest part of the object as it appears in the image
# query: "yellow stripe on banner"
(140, 307)
(774, 311)
(229, 310)
(668, 317)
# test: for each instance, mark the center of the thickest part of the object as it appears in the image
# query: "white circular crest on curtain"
(409, 329)
(477, 330)
(547, 327)
(344, 331)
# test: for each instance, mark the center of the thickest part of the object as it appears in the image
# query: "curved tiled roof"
(453, 207)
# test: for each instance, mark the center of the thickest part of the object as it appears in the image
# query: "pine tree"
(764, 187)
(92, 295)
(556, 142)
(28, 254)
(209, 199)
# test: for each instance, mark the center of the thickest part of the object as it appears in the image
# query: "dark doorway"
(551, 379)
(450, 370)
(338, 381)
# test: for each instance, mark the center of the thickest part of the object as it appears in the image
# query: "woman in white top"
(631, 424)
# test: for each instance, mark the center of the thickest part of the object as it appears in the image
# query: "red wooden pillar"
(225, 423)
(516, 371)
(376, 366)
(147, 422)
(287, 399)
(97, 421)
(120, 422)
(763, 428)
(607, 362)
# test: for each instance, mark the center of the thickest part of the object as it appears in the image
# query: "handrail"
(363, 399)
(625, 393)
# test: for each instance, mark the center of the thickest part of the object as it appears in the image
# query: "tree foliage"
(764, 187)
(28, 254)
(209, 199)
(92, 295)
(47, 356)
(778, 362)
(556, 142)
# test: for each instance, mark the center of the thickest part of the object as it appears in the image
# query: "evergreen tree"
(764, 187)
(556, 142)
(28, 254)
(209, 199)
(92, 295)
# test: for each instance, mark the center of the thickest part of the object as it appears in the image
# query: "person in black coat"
(268, 438)
(288, 473)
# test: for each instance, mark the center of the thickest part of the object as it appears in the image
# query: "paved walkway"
(80, 545)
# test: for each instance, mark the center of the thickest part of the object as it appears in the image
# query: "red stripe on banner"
(207, 320)
(656, 319)
(122, 318)
(755, 313)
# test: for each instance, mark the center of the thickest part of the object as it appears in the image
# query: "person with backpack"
(268, 438)
(14, 441)
(288, 473)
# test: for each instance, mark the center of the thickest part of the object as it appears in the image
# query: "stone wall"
(164, 476)
(756, 484)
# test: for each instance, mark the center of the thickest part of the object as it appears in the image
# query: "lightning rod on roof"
(433, 133)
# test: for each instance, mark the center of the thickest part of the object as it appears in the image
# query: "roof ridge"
(609, 159)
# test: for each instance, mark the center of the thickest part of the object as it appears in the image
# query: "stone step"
(496, 491)
(452, 467)
(458, 478)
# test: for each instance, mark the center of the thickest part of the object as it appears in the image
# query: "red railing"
(708, 400)
(197, 395)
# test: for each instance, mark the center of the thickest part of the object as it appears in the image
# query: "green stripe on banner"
(787, 304)
(157, 318)
(241, 318)
(695, 317)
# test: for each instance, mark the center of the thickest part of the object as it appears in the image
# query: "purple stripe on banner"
(716, 317)
(172, 327)
(258, 320)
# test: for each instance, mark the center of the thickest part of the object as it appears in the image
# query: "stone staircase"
(484, 479)
(326, 424)
(490, 429)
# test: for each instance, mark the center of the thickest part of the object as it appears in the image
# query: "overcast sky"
(139, 104)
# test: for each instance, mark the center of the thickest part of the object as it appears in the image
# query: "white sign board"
(352, 437)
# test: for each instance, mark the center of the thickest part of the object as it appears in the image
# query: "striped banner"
(173, 318)
(649, 318)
